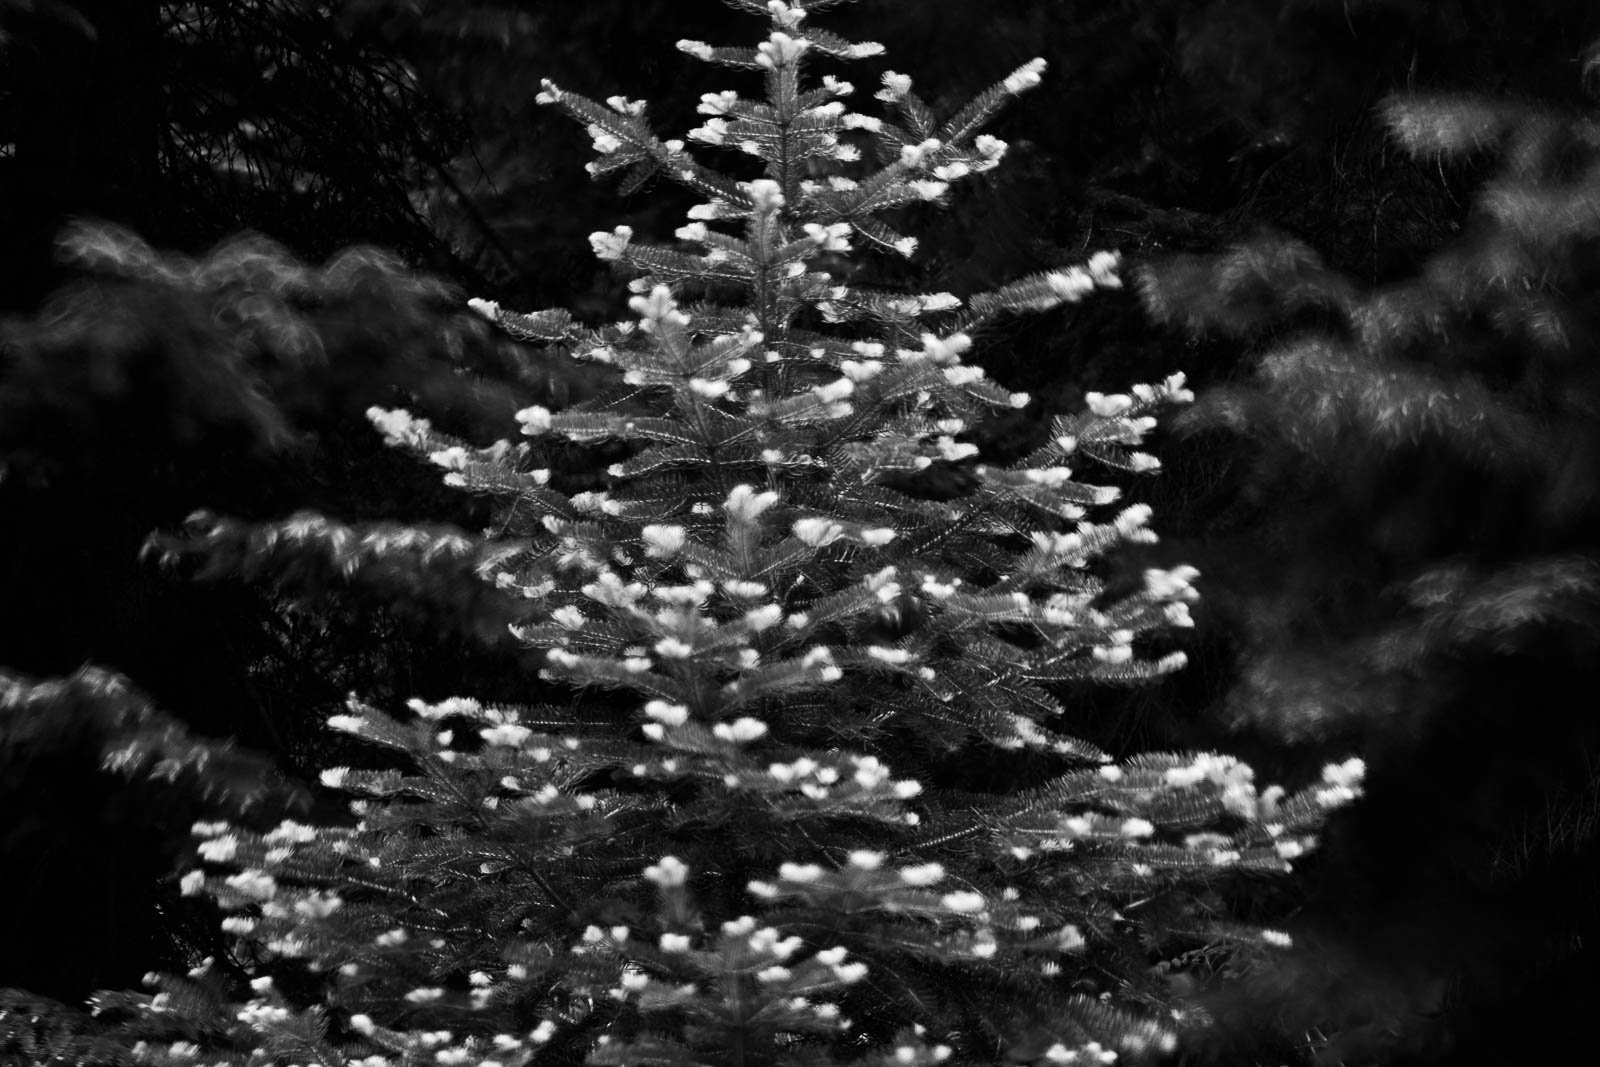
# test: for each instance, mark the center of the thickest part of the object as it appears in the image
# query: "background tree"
(190, 121)
(153, 385)
(1418, 514)
(158, 384)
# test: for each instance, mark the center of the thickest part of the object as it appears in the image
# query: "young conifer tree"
(730, 835)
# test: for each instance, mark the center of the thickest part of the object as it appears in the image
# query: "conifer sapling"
(728, 836)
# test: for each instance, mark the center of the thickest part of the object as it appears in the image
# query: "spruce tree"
(737, 820)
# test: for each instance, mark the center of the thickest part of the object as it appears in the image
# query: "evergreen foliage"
(1442, 426)
(93, 776)
(1419, 519)
(733, 821)
(189, 121)
(157, 383)
(1186, 126)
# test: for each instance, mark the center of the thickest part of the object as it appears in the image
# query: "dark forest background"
(1366, 229)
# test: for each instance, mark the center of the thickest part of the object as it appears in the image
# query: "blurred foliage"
(99, 788)
(1409, 561)
(157, 384)
(192, 120)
